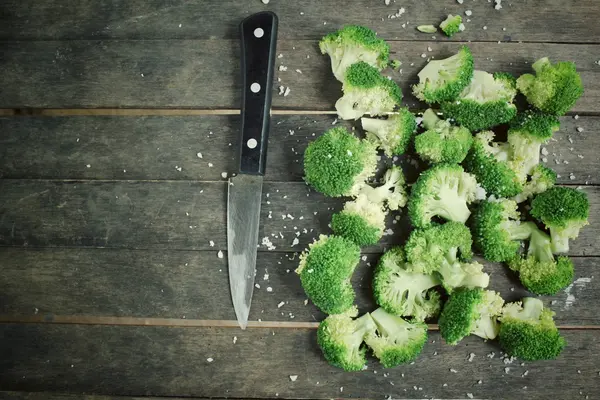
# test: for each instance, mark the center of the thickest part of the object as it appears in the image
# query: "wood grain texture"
(62, 147)
(5, 395)
(194, 285)
(546, 20)
(205, 73)
(174, 215)
(173, 362)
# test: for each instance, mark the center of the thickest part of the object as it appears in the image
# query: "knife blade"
(258, 43)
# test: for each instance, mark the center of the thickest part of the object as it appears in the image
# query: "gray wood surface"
(532, 20)
(205, 73)
(6, 395)
(173, 362)
(190, 285)
(175, 215)
(62, 147)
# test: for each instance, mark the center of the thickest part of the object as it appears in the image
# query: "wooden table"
(111, 221)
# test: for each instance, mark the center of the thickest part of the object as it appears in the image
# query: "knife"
(259, 40)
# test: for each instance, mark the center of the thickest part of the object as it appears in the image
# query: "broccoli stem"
(362, 326)
(387, 324)
(450, 206)
(374, 125)
(430, 119)
(486, 327)
(520, 230)
(539, 246)
(560, 240)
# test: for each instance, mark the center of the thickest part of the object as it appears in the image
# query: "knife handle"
(259, 42)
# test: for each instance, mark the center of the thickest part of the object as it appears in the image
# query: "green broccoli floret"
(542, 179)
(492, 164)
(527, 331)
(527, 134)
(445, 191)
(446, 250)
(554, 88)
(340, 338)
(338, 163)
(392, 192)
(360, 221)
(451, 25)
(442, 142)
(392, 135)
(470, 312)
(325, 272)
(352, 44)
(443, 80)
(401, 289)
(498, 229)
(366, 91)
(539, 271)
(485, 103)
(397, 341)
(564, 211)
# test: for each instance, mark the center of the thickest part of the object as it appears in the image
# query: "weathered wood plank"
(205, 73)
(66, 396)
(62, 147)
(173, 362)
(194, 285)
(547, 20)
(174, 215)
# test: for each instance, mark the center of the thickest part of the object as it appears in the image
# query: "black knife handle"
(259, 42)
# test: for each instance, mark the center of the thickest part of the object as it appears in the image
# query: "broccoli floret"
(492, 164)
(352, 44)
(442, 142)
(485, 103)
(392, 192)
(338, 163)
(539, 271)
(451, 25)
(397, 341)
(527, 134)
(564, 211)
(443, 80)
(360, 221)
(498, 229)
(470, 311)
(445, 191)
(554, 88)
(392, 135)
(446, 250)
(366, 91)
(325, 272)
(527, 331)
(401, 289)
(340, 338)
(542, 179)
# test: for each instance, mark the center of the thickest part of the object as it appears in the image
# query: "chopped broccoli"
(527, 134)
(360, 221)
(338, 163)
(442, 142)
(401, 289)
(539, 271)
(527, 331)
(392, 135)
(554, 88)
(446, 250)
(397, 341)
(542, 179)
(470, 311)
(443, 80)
(427, 28)
(366, 91)
(498, 229)
(325, 272)
(451, 25)
(486, 102)
(392, 192)
(340, 338)
(564, 211)
(352, 44)
(493, 166)
(445, 191)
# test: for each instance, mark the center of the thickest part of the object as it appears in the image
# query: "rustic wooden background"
(110, 223)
